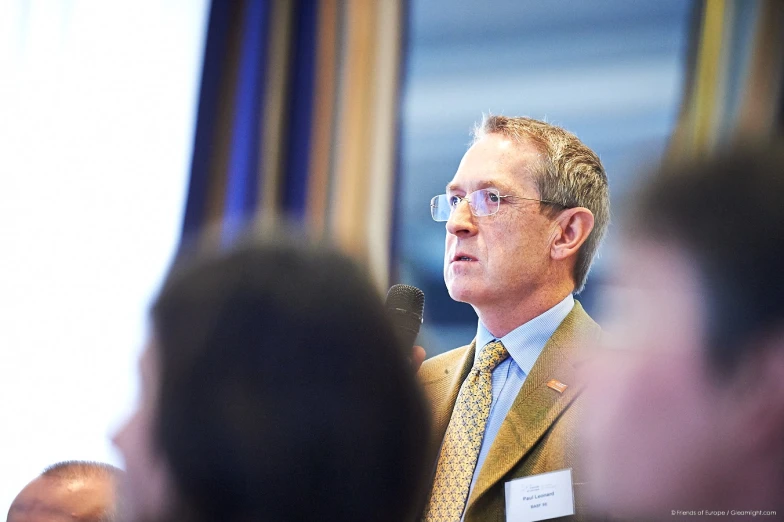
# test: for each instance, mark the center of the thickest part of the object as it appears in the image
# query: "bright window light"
(97, 112)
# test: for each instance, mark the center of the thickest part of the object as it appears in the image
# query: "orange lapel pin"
(557, 385)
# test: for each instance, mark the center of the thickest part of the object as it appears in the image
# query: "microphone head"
(408, 298)
(405, 305)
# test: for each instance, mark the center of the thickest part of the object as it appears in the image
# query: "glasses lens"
(485, 202)
(439, 208)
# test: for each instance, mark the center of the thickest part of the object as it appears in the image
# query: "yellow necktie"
(463, 438)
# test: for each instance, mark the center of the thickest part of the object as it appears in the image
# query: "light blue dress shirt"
(524, 345)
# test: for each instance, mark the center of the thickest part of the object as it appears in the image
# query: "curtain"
(736, 75)
(298, 116)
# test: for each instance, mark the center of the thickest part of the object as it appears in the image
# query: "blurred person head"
(273, 388)
(688, 412)
(72, 490)
(552, 202)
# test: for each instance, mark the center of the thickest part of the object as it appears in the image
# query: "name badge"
(540, 497)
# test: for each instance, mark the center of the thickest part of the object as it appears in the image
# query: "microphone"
(405, 305)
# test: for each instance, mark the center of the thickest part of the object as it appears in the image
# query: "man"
(688, 417)
(67, 491)
(274, 388)
(525, 214)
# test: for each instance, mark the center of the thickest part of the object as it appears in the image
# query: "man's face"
(54, 499)
(147, 484)
(497, 260)
(660, 431)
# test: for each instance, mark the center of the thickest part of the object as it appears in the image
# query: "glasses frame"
(467, 198)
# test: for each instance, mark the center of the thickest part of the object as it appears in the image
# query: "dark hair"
(284, 393)
(727, 213)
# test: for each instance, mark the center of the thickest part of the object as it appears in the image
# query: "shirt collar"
(527, 341)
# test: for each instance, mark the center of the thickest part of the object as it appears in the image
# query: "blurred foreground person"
(688, 412)
(273, 388)
(73, 490)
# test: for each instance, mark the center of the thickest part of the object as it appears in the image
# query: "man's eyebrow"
(504, 189)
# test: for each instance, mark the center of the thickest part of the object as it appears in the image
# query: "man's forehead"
(55, 498)
(496, 161)
(500, 148)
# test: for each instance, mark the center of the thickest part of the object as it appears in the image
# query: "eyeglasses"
(483, 202)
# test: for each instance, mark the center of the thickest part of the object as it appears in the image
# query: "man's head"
(274, 388)
(546, 234)
(689, 413)
(67, 491)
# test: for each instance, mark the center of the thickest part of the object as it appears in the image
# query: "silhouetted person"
(68, 491)
(273, 388)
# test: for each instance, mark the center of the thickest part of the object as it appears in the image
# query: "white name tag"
(540, 497)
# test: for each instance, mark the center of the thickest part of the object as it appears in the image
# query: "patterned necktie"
(463, 438)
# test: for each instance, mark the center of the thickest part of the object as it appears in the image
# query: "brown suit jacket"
(539, 433)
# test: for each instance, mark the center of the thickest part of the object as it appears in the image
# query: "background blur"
(102, 103)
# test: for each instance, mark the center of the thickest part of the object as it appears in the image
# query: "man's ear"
(573, 226)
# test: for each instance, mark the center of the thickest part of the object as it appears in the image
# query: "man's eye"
(454, 200)
(492, 197)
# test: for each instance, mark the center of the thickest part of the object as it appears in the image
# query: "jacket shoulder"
(577, 335)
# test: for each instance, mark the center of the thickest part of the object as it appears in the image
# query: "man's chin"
(462, 294)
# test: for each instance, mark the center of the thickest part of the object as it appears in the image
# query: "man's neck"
(502, 318)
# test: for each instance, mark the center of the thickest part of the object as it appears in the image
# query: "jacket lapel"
(537, 405)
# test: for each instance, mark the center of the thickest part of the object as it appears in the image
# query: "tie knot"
(492, 354)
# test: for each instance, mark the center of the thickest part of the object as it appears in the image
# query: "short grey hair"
(570, 175)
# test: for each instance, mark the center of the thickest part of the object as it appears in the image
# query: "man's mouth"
(462, 257)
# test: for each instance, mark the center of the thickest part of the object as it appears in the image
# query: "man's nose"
(462, 221)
